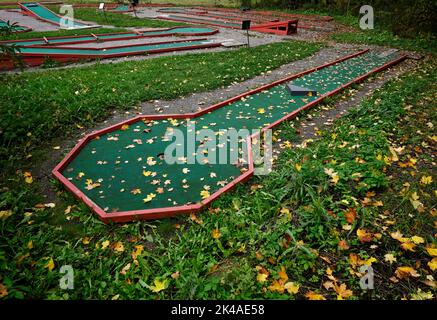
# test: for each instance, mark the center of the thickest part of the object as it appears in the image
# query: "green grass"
(386, 38)
(58, 101)
(255, 238)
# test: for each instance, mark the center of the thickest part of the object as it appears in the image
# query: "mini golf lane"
(35, 51)
(116, 51)
(58, 41)
(120, 173)
(38, 11)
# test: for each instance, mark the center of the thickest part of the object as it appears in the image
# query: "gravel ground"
(21, 19)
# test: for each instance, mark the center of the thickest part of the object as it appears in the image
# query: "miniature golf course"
(42, 13)
(122, 172)
(14, 28)
(35, 51)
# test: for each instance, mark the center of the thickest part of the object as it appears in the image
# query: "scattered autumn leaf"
(216, 234)
(50, 264)
(291, 287)
(158, 285)
(433, 264)
(3, 290)
(311, 295)
(406, 272)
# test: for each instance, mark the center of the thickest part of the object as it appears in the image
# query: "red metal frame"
(171, 211)
(109, 34)
(28, 12)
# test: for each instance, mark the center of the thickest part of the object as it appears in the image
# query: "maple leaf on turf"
(433, 264)
(291, 287)
(158, 285)
(390, 258)
(118, 246)
(50, 264)
(431, 251)
(364, 235)
(406, 272)
(311, 295)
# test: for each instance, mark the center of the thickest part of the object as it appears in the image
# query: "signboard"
(245, 25)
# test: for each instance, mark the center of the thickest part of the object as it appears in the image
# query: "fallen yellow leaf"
(118, 246)
(291, 287)
(417, 239)
(158, 285)
(50, 264)
(216, 234)
(204, 194)
(405, 272)
(431, 251)
(311, 295)
(433, 264)
(261, 277)
(105, 244)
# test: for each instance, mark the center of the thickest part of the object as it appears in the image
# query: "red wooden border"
(171, 211)
(214, 31)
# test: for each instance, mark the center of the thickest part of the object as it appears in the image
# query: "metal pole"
(248, 41)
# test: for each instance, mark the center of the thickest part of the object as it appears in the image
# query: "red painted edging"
(214, 31)
(191, 208)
